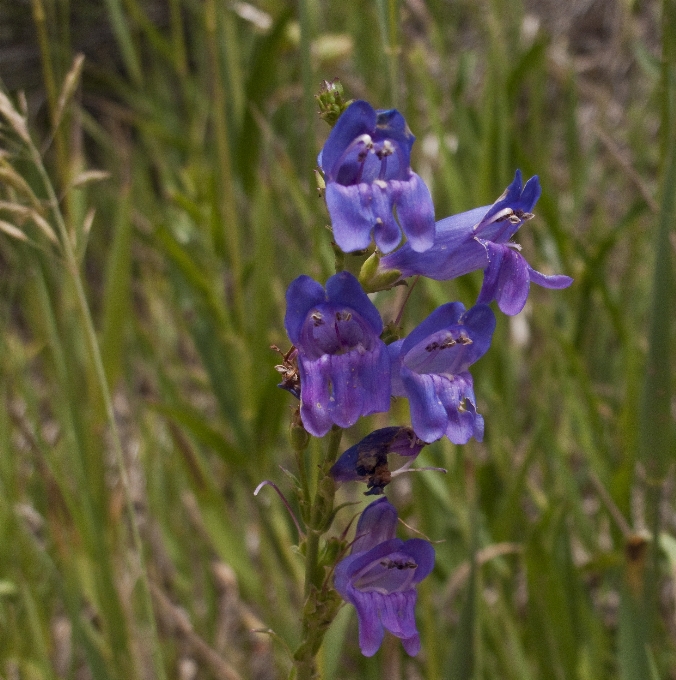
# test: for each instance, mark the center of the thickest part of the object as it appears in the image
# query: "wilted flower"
(366, 162)
(288, 370)
(367, 460)
(479, 239)
(380, 576)
(430, 368)
(343, 364)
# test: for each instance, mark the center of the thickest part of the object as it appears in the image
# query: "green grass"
(555, 558)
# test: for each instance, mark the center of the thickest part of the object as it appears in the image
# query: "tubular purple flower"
(430, 367)
(342, 362)
(380, 576)
(480, 239)
(366, 161)
(366, 461)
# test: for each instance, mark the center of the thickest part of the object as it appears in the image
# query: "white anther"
(505, 213)
(365, 140)
(388, 148)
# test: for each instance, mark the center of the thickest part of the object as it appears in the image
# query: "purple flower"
(366, 161)
(430, 368)
(367, 460)
(480, 239)
(343, 364)
(380, 576)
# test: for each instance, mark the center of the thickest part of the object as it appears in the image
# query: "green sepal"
(292, 477)
(300, 437)
(373, 280)
(391, 333)
(331, 516)
(334, 548)
(321, 182)
(339, 257)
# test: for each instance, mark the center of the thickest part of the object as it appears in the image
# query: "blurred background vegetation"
(182, 161)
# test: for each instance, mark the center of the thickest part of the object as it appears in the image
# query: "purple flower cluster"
(346, 371)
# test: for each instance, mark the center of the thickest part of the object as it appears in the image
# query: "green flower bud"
(373, 280)
(331, 102)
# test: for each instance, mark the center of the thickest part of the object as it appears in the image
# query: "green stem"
(311, 560)
(322, 505)
(388, 18)
(393, 47)
(321, 601)
(95, 352)
(40, 21)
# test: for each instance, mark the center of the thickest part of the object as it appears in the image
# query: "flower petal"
(556, 281)
(397, 612)
(411, 645)
(442, 317)
(359, 118)
(371, 631)
(457, 395)
(506, 279)
(347, 401)
(505, 216)
(386, 231)
(423, 553)
(415, 211)
(374, 375)
(302, 295)
(456, 227)
(479, 322)
(428, 414)
(390, 124)
(397, 386)
(315, 409)
(455, 347)
(354, 384)
(451, 255)
(344, 289)
(513, 283)
(376, 525)
(463, 425)
(351, 217)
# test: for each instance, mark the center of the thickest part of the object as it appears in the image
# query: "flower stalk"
(321, 601)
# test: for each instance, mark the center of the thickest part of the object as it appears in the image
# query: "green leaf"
(632, 637)
(116, 297)
(192, 421)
